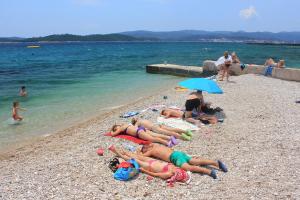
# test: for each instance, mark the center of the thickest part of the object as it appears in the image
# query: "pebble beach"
(259, 141)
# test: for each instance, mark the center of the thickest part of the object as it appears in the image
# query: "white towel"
(177, 123)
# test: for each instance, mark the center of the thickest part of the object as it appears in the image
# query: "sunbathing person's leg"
(217, 164)
(177, 130)
(199, 161)
(165, 137)
(196, 169)
(137, 156)
(145, 136)
(160, 130)
(210, 119)
(193, 121)
(119, 152)
(183, 136)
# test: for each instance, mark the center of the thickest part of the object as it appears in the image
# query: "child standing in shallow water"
(15, 109)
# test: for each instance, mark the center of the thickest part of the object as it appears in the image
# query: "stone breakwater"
(209, 68)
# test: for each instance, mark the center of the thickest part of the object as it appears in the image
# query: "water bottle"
(129, 147)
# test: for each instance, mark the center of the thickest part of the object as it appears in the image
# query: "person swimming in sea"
(15, 115)
(23, 92)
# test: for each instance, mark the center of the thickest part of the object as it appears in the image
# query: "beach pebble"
(259, 141)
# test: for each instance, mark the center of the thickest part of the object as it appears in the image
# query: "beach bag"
(113, 164)
(127, 170)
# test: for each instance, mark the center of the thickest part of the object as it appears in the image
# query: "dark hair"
(113, 164)
(15, 103)
(162, 112)
(114, 127)
(226, 54)
(133, 120)
(23, 87)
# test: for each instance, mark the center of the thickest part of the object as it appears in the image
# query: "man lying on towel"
(142, 133)
(183, 160)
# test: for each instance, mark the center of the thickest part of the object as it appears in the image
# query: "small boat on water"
(33, 46)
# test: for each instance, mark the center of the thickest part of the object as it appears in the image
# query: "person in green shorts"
(182, 160)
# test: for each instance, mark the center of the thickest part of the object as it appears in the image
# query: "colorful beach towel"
(129, 114)
(130, 138)
(177, 123)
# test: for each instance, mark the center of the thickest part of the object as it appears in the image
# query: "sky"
(28, 18)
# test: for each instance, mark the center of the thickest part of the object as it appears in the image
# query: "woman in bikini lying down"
(162, 129)
(144, 134)
(156, 168)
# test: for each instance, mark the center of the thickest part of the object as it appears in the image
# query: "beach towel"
(129, 114)
(130, 138)
(177, 123)
(127, 171)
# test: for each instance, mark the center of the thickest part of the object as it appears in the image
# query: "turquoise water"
(70, 82)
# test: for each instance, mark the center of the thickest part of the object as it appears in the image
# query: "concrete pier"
(209, 68)
(289, 74)
(176, 70)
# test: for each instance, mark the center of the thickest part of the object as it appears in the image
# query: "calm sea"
(69, 82)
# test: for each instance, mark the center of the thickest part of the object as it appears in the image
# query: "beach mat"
(177, 123)
(130, 138)
(129, 114)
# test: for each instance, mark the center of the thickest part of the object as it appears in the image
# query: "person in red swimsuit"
(16, 107)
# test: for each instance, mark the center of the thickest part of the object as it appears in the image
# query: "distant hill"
(194, 35)
(70, 37)
(9, 39)
(184, 35)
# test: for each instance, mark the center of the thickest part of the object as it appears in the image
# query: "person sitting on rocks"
(161, 129)
(156, 168)
(225, 66)
(281, 64)
(182, 160)
(235, 59)
(270, 65)
(270, 62)
(144, 134)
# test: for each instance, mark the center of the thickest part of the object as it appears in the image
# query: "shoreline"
(13, 149)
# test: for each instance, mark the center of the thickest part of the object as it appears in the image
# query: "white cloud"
(248, 12)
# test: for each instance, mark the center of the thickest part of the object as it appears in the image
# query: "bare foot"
(112, 148)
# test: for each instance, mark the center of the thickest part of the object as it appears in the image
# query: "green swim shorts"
(178, 158)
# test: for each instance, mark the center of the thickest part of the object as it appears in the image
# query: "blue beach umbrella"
(202, 84)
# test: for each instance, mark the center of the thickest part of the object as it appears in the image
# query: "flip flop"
(222, 166)
(186, 137)
(213, 174)
(174, 141)
(170, 144)
(189, 133)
